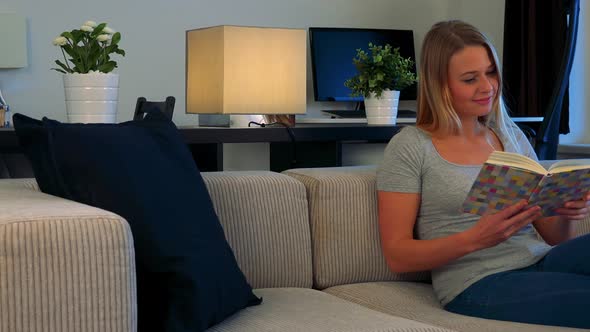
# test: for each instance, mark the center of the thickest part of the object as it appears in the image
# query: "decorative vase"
(382, 110)
(92, 97)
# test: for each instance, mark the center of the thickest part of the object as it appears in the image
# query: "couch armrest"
(64, 266)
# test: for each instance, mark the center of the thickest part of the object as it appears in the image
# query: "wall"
(153, 37)
(579, 82)
(488, 16)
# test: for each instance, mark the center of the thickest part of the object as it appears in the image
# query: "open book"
(506, 178)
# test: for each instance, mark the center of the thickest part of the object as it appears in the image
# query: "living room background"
(153, 35)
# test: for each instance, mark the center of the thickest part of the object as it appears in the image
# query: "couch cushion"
(344, 228)
(416, 301)
(265, 218)
(293, 309)
(187, 276)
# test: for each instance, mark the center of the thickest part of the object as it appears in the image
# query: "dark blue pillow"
(187, 275)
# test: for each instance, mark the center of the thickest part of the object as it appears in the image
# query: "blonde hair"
(435, 108)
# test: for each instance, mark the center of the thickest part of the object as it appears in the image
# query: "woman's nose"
(486, 84)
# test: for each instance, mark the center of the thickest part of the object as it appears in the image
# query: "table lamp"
(234, 72)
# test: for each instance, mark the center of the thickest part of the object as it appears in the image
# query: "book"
(507, 178)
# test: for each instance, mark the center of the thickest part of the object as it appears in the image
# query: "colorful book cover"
(498, 187)
(557, 188)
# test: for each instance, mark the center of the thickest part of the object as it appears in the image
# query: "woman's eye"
(469, 80)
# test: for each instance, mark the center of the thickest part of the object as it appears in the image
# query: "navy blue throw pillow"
(187, 276)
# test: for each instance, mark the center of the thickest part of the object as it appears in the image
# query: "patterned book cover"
(497, 187)
(558, 188)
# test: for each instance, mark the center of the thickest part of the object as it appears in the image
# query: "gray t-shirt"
(413, 165)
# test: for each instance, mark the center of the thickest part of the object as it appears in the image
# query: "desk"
(305, 145)
(317, 145)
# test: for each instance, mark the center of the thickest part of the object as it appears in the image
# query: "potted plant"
(91, 89)
(380, 77)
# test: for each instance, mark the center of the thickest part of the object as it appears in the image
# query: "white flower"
(103, 38)
(60, 41)
(91, 24)
(108, 30)
(86, 28)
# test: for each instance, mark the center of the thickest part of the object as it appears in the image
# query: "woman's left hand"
(575, 210)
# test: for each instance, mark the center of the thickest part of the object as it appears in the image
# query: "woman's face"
(473, 81)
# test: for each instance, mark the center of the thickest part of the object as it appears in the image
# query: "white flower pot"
(382, 110)
(91, 98)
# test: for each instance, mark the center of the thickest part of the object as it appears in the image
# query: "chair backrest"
(143, 106)
(548, 136)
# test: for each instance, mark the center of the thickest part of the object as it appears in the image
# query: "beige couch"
(307, 240)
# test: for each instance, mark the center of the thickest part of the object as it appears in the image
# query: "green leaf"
(116, 38)
(69, 50)
(77, 36)
(68, 35)
(62, 65)
(107, 67)
(98, 30)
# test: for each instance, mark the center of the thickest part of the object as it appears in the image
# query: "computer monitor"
(332, 51)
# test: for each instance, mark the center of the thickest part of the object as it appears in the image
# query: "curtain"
(534, 46)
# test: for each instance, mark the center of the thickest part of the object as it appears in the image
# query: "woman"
(493, 266)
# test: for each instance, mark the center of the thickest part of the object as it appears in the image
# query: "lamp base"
(223, 120)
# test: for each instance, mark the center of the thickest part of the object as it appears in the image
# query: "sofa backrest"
(265, 219)
(344, 227)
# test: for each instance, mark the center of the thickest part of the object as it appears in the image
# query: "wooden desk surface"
(307, 132)
(301, 133)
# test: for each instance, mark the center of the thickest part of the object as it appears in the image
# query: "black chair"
(547, 138)
(143, 106)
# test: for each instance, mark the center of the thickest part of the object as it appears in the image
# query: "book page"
(515, 160)
(559, 188)
(569, 165)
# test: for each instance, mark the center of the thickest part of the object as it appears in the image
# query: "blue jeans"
(554, 291)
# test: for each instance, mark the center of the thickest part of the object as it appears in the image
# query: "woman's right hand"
(495, 228)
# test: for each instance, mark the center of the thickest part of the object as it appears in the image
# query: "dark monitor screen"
(332, 51)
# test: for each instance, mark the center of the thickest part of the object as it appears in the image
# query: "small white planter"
(382, 110)
(91, 98)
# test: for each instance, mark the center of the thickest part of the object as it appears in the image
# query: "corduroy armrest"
(64, 266)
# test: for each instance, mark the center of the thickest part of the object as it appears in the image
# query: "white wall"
(488, 16)
(153, 37)
(579, 83)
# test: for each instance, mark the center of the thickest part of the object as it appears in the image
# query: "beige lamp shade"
(246, 70)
